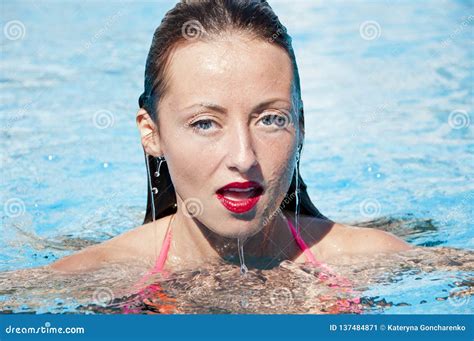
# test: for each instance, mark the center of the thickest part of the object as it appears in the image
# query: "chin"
(237, 226)
(235, 229)
(241, 233)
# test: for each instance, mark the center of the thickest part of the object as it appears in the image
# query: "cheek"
(187, 169)
(278, 181)
(278, 169)
(185, 159)
(278, 154)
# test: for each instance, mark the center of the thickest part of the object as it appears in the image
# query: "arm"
(87, 259)
(131, 245)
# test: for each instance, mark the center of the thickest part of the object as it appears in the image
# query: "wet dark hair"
(194, 18)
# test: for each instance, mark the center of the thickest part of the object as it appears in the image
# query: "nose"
(241, 154)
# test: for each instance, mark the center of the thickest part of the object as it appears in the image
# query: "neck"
(195, 243)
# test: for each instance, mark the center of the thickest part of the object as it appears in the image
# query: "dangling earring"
(159, 161)
(297, 188)
(150, 185)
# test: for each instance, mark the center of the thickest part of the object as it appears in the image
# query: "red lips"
(240, 197)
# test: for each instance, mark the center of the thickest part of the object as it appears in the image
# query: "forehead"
(232, 68)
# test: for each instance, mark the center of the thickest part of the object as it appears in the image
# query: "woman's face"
(227, 117)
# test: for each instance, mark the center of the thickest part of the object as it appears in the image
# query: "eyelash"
(195, 124)
(195, 127)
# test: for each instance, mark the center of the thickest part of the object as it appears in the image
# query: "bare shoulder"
(328, 239)
(136, 244)
(362, 240)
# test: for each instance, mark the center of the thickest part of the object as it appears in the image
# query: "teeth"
(240, 189)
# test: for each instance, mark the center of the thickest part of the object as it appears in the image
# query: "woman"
(222, 127)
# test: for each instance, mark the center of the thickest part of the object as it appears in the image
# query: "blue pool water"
(388, 95)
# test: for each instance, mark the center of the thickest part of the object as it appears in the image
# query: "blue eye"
(201, 125)
(279, 120)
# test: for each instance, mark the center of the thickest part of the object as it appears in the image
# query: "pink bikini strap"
(309, 255)
(161, 260)
(340, 282)
(306, 250)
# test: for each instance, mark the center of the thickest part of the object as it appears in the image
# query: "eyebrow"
(221, 109)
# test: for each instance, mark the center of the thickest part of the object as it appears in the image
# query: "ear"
(149, 133)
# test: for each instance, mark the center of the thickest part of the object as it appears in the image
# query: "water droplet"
(297, 194)
(153, 189)
(243, 267)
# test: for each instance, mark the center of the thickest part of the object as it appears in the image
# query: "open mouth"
(240, 194)
(240, 197)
